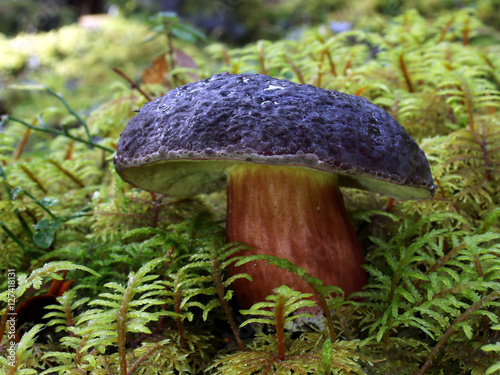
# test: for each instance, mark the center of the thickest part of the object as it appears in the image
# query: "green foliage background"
(150, 293)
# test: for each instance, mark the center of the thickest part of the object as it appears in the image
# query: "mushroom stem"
(294, 213)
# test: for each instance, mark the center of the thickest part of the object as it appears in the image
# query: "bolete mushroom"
(282, 150)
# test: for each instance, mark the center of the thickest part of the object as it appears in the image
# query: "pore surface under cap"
(255, 118)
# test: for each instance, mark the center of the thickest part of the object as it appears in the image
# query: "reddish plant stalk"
(225, 56)
(279, 317)
(320, 67)
(348, 65)
(296, 70)
(3, 324)
(78, 352)
(361, 91)
(22, 143)
(69, 318)
(446, 28)
(443, 261)
(142, 359)
(466, 32)
(345, 326)
(67, 173)
(262, 59)
(13, 366)
(322, 302)
(180, 325)
(333, 70)
(69, 151)
(121, 329)
(219, 287)
(482, 143)
(155, 201)
(33, 178)
(132, 83)
(406, 76)
(451, 329)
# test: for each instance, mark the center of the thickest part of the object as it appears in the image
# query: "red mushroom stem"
(294, 213)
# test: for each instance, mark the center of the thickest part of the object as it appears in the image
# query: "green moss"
(155, 297)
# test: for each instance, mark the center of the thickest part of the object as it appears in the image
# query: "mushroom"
(282, 150)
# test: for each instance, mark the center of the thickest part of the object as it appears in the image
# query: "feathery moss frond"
(24, 362)
(433, 265)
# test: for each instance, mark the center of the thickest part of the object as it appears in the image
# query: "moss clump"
(154, 295)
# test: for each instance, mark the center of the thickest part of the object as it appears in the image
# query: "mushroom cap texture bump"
(186, 141)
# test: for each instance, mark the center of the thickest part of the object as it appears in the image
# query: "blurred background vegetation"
(235, 21)
(74, 43)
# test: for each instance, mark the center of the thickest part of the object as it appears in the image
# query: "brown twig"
(132, 83)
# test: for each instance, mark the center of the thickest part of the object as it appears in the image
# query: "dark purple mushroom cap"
(186, 141)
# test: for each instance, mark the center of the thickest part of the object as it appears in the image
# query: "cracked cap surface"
(186, 141)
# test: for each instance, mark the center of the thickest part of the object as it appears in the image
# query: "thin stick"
(132, 83)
